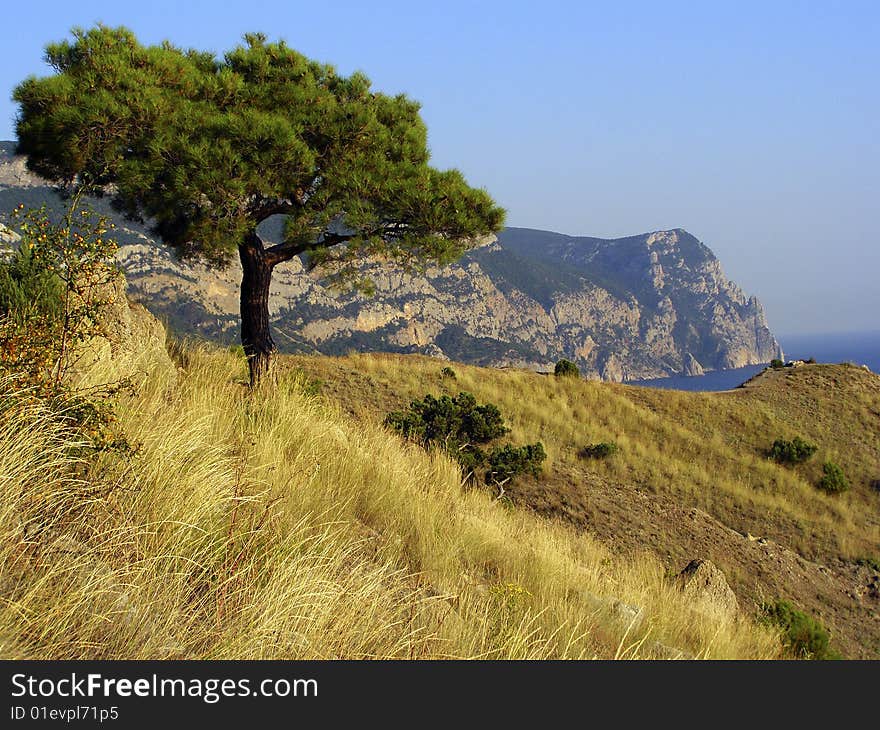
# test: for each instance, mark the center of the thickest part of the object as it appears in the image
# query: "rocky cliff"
(638, 307)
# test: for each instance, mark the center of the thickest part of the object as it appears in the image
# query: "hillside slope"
(288, 522)
(272, 524)
(639, 307)
(691, 478)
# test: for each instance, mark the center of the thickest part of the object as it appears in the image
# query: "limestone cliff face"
(644, 305)
(638, 307)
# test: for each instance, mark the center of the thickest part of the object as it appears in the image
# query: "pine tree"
(209, 148)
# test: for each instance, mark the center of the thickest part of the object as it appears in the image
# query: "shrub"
(792, 452)
(566, 368)
(448, 372)
(776, 363)
(456, 424)
(446, 420)
(510, 602)
(27, 288)
(460, 425)
(508, 462)
(833, 479)
(53, 290)
(602, 450)
(802, 634)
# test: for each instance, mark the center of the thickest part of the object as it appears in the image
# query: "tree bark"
(256, 336)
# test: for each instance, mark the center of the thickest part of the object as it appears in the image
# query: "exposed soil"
(844, 596)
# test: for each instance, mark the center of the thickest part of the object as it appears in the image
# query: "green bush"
(448, 372)
(566, 368)
(508, 462)
(29, 288)
(833, 479)
(802, 634)
(454, 421)
(52, 291)
(776, 363)
(456, 424)
(54, 288)
(602, 450)
(460, 425)
(791, 452)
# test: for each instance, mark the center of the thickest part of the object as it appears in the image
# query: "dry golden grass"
(275, 524)
(707, 450)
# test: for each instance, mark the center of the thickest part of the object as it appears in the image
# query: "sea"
(861, 348)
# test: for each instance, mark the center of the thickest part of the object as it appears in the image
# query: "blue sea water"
(861, 348)
(715, 380)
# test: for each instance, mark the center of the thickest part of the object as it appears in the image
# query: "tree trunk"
(256, 337)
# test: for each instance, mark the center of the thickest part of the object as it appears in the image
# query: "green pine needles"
(207, 148)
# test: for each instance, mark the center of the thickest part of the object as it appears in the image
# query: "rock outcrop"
(132, 343)
(640, 307)
(707, 588)
(8, 236)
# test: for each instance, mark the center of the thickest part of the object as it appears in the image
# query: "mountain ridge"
(635, 307)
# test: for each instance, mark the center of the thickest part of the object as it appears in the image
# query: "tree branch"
(286, 251)
(263, 207)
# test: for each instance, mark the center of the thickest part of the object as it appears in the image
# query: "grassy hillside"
(206, 519)
(290, 523)
(691, 478)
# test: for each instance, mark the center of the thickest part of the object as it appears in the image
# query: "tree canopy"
(206, 148)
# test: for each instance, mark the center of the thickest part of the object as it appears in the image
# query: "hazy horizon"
(752, 127)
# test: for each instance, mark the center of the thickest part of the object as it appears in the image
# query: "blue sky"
(754, 125)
